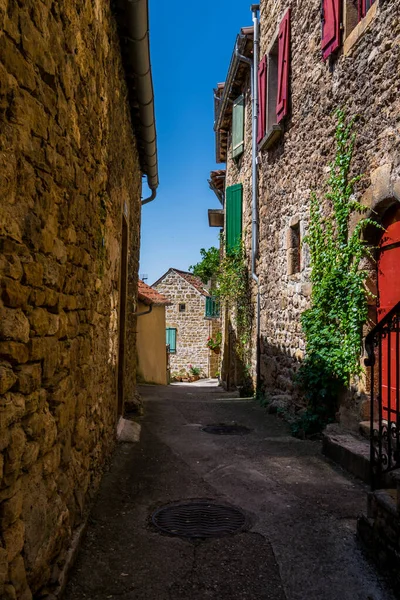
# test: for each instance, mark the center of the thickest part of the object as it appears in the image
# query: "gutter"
(137, 45)
(254, 171)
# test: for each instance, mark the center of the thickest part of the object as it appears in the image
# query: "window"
(294, 248)
(238, 127)
(182, 308)
(233, 211)
(348, 15)
(171, 340)
(212, 308)
(273, 84)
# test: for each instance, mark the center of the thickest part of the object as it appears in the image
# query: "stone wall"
(363, 80)
(68, 166)
(192, 327)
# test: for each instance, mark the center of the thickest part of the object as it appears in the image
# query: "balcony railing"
(382, 345)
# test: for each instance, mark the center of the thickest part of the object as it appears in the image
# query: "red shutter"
(330, 27)
(262, 93)
(283, 67)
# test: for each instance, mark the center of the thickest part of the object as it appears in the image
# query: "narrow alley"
(299, 539)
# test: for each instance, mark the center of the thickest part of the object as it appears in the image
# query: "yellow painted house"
(150, 340)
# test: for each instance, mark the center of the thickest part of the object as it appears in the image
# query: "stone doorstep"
(379, 531)
(350, 452)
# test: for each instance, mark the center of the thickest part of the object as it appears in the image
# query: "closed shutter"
(171, 339)
(262, 97)
(233, 211)
(238, 127)
(330, 27)
(282, 101)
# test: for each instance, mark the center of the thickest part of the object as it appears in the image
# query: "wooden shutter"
(238, 127)
(171, 339)
(331, 15)
(262, 98)
(283, 68)
(233, 205)
(363, 8)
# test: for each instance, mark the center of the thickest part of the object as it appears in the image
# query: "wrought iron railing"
(382, 345)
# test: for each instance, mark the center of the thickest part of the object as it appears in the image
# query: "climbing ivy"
(233, 290)
(333, 324)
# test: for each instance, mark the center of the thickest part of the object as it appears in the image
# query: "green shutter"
(212, 308)
(171, 339)
(238, 127)
(233, 210)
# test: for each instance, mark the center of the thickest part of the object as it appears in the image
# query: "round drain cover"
(199, 519)
(222, 429)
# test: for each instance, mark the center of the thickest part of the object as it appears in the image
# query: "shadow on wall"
(235, 373)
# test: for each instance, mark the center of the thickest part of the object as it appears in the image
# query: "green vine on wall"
(333, 324)
(234, 291)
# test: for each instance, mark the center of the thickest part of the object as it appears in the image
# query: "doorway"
(122, 315)
(388, 296)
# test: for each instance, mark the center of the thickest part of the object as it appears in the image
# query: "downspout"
(137, 23)
(254, 170)
(143, 312)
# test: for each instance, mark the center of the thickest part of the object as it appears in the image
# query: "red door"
(389, 296)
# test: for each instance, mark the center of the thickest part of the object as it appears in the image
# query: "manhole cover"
(223, 429)
(199, 519)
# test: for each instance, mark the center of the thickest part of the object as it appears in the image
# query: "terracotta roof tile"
(149, 295)
(196, 282)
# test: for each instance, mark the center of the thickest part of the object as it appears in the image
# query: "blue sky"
(191, 47)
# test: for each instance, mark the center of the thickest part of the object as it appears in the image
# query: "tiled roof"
(196, 282)
(149, 295)
(189, 277)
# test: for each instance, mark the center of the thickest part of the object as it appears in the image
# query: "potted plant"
(194, 373)
(215, 343)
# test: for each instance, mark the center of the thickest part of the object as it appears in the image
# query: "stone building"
(191, 319)
(306, 64)
(76, 135)
(294, 145)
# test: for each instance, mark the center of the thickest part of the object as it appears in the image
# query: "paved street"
(300, 543)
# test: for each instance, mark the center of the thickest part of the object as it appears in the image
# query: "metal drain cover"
(223, 429)
(199, 519)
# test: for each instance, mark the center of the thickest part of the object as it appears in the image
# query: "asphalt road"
(299, 542)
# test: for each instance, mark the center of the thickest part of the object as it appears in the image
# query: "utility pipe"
(254, 170)
(143, 312)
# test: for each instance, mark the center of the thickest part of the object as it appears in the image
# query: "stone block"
(29, 378)
(15, 450)
(16, 64)
(7, 377)
(3, 570)
(14, 294)
(30, 455)
(14, 325)
(17, 574)
(12, 408)
(43, 323)
(43, 347)
(33, 274)
(36, 45)
(13, 538)
(14, 352)
(11, 509)
(10, 266)
(10, 592)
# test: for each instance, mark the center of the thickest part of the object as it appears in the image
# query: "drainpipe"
(143, 312)
(254, 170)
(136, 18)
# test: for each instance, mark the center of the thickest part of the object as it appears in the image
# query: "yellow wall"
(151, 345)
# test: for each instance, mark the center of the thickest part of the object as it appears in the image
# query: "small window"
(171, 339)
(294, 249)
(182, 308)
(238, 127)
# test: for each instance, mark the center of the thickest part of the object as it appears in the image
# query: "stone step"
(349, 451)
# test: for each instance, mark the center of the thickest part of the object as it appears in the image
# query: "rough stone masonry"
(68, 171)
